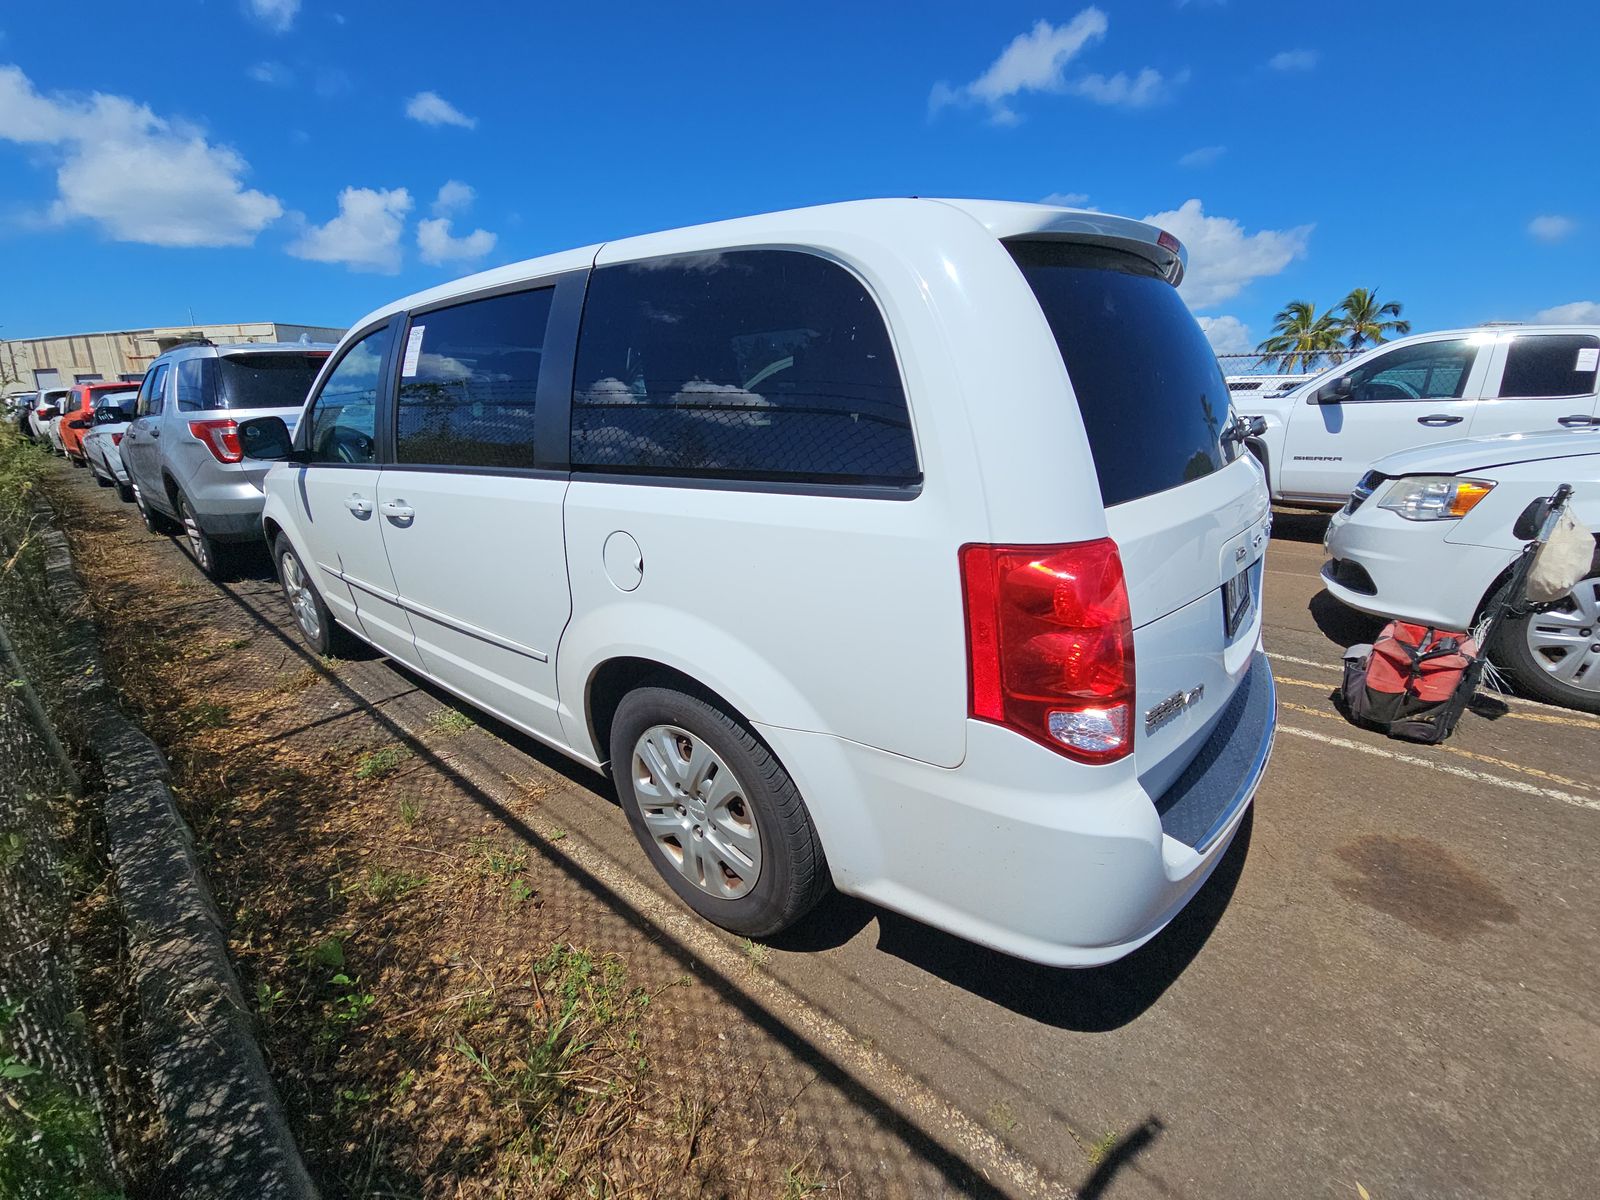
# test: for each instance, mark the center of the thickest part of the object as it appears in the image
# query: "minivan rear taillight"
(116, 439)
(220, 437)
(1050, 645)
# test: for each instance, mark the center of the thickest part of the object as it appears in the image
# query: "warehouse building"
(33, 364)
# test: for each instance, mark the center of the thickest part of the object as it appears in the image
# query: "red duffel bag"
(1413, 683)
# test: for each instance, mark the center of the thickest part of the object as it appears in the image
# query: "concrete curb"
(227, 1137)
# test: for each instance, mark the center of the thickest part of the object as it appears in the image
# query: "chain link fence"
(1265, 374)
(53, 1134)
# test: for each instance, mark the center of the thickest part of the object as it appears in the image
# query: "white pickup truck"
(1321, 436)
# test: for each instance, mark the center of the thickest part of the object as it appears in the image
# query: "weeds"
(1000, 1117)
(1097, 1150)
(755, 953)
(798, 1183)
(377, 763)
(410, 811)
(387, 884)
(206, 714)
(451, 721)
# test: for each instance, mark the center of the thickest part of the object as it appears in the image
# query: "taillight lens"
(116, 439)
(220, 437)
(1050, 645)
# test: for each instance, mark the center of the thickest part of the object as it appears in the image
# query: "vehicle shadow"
(1341, 625)
(1094, 1000)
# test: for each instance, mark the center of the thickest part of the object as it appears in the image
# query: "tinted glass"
(113, 399)
(343, 423)
(1430, 371)
(266, 380)
(745, 364)
(470, 399)
(151, 393)
(1551, 364)
(197, 384)
(1152, 396)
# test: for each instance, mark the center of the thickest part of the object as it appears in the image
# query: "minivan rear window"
(1153, 399)
(278, 380)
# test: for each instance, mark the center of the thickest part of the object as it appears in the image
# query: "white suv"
(1436, 387)
(902, 544)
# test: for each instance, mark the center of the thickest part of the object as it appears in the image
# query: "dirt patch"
(446, 1010)
(1419, 882)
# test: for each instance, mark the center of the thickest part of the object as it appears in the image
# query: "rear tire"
(713, 807)
(312, 619)
(102, 480)
(157, 523)
(1554, 656)
(210, 555)
(125, 492)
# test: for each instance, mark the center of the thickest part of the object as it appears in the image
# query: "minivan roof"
(1002, 218)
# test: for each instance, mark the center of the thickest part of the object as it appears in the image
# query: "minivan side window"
(469, 382)
(342, 426)
(1429, 371)
(151, 391)
(1550, 364)
(739, 364)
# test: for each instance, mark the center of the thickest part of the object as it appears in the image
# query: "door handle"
(359, 505)
(1438, 420)
(397, 510)
(1577, 421)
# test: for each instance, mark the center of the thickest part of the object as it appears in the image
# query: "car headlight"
(1434, 497)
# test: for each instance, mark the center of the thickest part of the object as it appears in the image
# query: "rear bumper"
(228, 502)
(1025, 851)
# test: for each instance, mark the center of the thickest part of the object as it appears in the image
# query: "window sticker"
(1588, 359)
(413, 351)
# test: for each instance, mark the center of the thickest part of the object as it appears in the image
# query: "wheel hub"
(696, 811)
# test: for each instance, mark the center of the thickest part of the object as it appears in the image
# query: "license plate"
(1236, 600)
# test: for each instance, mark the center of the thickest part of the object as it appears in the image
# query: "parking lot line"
(1515, 785)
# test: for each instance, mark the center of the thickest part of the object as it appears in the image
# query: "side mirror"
(1333, 393)
(266, 438)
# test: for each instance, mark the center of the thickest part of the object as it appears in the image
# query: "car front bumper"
(1382, 564)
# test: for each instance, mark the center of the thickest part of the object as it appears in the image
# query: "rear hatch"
(1189, 512)
(244, 384)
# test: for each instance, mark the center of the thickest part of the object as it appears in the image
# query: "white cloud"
(1579, 312)
(1223, 258)
(272, 73)
(1203, 156)
(1128, 91)
(433, 109)
(1066, 199)
(1293, 60)
(454, 196)
(276, 15)
(1037, 61)
(1552, 227)
(365, 236)
(140, 177)
(1227, 335)
(438, 248)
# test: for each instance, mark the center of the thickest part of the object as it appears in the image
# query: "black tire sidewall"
(770, 905)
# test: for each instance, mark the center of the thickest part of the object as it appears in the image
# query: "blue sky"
(308, 161)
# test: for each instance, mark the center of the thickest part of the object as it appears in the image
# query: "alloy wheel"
(301, 599)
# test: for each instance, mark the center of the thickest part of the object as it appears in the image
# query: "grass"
(375, 764)
(451, 721)
(1097, 1150)
(410, 811)
(799, 1182)
(755, 953)
(388, 884)
(207, 714)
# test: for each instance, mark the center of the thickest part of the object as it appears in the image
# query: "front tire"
(311, 616)
(1554, 655)
(716, 813)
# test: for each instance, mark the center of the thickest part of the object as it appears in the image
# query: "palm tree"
(1361, 319)
(1299, 335)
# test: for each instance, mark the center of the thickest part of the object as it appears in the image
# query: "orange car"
(78, 412)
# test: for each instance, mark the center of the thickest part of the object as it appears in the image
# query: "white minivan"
(1321, 436)
(905, 546)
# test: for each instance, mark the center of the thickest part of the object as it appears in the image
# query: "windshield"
(1153, 398)
(125, 399)
(263, 380)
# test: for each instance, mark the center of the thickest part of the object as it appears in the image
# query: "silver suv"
(182, 450)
